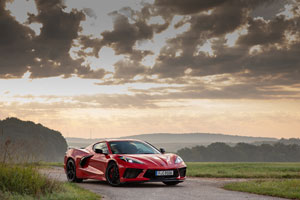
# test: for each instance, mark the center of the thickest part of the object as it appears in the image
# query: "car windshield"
(132, 147)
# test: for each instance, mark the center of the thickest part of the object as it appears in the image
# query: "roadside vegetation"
(243, 170)
(26, 183)
(48, 164)
(286, 188)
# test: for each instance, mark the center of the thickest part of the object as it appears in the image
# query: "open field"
(27, 183)
(286, 188)
(243, 170)
(230, 169)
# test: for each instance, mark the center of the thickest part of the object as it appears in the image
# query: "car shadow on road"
(132, 185)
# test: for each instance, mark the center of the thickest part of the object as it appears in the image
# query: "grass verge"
(286, 188)
(69, 191)
(26, 183)
(243, 170)
(48, 164)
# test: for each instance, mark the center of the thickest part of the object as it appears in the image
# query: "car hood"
(154, 159)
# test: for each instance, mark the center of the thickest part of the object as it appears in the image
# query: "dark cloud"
(124, 36)
(224, 19)
(55, 40)
(269, 9)
(276, 58)
(15, 45)
(125, 69)
(263, 32)
(187, 6)
(46, 54)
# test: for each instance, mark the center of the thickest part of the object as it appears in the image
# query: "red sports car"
(121, 161)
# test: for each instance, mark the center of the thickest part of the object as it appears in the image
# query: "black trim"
(83, 160)
(182, 171)
(132, 172)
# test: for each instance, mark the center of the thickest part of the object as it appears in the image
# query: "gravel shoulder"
(191, 189)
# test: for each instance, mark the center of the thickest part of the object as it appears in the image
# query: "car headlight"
(178, 160)
(130, 160)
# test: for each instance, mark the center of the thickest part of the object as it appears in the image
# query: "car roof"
(116, 139)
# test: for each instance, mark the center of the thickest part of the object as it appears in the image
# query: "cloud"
(186, 7)
(46, 54)
(15, 42)
(264, 52)
(125, 35)
(126, 69)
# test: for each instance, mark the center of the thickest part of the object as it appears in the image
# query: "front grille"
(182, 172)
(150, 173)
(132, 173)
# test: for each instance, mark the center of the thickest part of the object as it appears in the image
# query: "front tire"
(172, 183)
(71, 172)
(112, 174)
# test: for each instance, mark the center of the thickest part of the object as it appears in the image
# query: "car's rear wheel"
(71, 172)
(171, 182)
(112, 174)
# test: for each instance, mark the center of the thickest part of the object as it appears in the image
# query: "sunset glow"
(116, 68)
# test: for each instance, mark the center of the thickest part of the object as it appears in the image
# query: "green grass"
(286, 188)
(48, 164)
(243, 170)
(69, 191)
(26, 183)
(25, 180)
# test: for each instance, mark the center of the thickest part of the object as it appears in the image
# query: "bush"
(25, 181)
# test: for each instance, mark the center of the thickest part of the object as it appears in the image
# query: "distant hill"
(27, 141)
(173, 142)
(197, 137)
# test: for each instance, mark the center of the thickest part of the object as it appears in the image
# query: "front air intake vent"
(132, 173)
(182, 172)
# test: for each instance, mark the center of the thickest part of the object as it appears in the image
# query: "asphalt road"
(191, 189)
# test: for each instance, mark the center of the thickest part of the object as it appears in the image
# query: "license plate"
(164, 173)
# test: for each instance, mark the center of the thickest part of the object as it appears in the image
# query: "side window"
(103, 146)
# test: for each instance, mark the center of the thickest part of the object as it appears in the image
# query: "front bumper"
(148, 175)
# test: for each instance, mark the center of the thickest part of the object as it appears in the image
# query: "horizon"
(142, 134)
(123, 68)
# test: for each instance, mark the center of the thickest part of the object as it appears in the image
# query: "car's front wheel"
(71, 172)
(171, 182)
(112, 174)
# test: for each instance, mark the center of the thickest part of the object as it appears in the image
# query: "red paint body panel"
(96, 164)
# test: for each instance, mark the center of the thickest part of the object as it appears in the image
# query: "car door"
(99, 160)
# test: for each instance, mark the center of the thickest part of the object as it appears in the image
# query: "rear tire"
(112, 174)
(172, 183)
(71, 172)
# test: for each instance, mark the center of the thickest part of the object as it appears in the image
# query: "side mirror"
(162, 150)
(99, 151)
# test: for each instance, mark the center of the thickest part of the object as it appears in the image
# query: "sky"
(98, 68)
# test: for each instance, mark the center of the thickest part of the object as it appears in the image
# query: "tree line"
(26, 141)
(242, 152)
